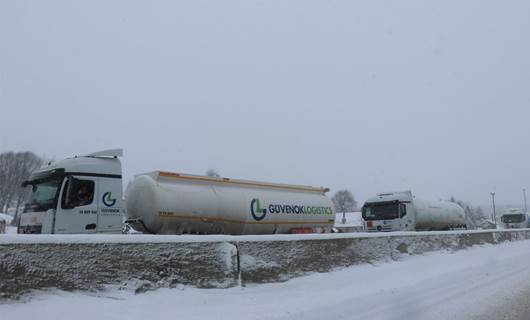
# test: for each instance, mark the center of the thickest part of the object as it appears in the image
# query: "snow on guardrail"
(142, 262)
(147, 238)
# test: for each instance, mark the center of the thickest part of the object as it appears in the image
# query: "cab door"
(394, 222)
(109, 198)
(405, 220)
(78, 209)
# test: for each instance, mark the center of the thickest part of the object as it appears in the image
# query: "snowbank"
(349, 222)
(148, 262)
(5, 220)
(353, 219)
(8, 218)
(25, 267)
(11, 229)
(145, 238)
(485, 282)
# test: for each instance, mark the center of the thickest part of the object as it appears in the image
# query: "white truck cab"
(514, 219)
(389, 212)
(76, 195)
(396, 211)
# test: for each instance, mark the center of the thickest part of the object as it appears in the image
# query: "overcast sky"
(372, 96)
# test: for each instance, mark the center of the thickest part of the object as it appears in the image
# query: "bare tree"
(344, 201)
(212, 173)
(7, 176)
(29, 162)
(14, 169)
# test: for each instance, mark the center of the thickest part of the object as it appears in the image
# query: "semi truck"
(83, 195)
(514, 219)
(397, 211)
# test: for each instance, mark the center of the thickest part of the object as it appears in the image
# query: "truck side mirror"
(71, 189)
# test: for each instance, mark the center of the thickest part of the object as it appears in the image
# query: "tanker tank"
(172, 203)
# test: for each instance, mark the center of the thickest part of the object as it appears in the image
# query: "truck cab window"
(81, 195)
(44, 194)
(380, 211)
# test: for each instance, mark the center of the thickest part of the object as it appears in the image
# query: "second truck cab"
(389, 212)
(401, 211)
(514, 219)
(77, 195)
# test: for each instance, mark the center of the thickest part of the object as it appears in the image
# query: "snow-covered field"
(6, 217)
(479, 283)
(11, 230)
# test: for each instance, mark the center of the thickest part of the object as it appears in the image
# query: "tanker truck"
(513, 219)
(397, 211)
(83, 195)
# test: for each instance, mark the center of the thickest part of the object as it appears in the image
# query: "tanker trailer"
(401, 211)
(172, 203)
(513, 219)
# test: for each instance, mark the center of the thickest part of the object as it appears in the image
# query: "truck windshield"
(512, 218)
(385, 211)
(44, 194)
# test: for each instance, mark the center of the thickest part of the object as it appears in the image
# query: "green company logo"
(107, 199)
(255, 209)
(259, 213)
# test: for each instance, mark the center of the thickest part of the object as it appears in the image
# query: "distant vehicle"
(401, 211)
(514, 219)
(487, 225)
(83, 194)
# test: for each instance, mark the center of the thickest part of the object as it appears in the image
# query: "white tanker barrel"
(438, 215)
(172, 203)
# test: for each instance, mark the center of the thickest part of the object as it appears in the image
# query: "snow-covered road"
(488, 282)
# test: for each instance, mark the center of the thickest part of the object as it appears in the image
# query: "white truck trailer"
(401, 211)
(514, 219)
(83, 194)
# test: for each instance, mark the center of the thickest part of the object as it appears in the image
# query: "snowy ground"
(488, 282)
(6, 217)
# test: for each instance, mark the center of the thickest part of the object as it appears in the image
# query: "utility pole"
(494, 213)
(525, 207)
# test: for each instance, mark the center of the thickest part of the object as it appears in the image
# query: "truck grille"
(384, 228)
